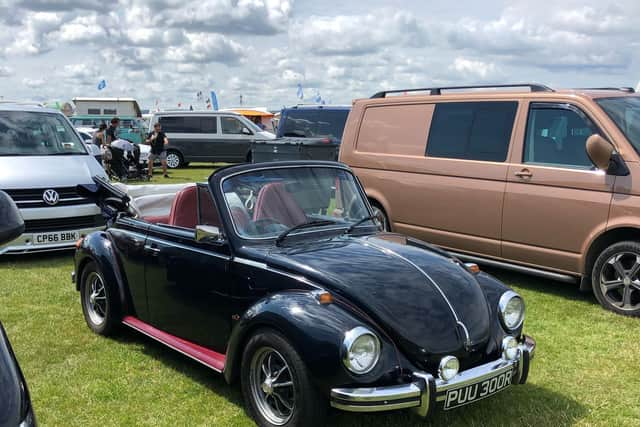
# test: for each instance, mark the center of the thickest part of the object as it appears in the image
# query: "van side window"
(231, 125)
(557, 136)
(208, 125)
(93, 111)
(472, 130)
(181, 124)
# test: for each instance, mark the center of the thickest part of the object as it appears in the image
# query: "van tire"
(615, 278)
(174, 159)
(378, 211)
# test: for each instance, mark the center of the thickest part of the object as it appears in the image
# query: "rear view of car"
(42, 160)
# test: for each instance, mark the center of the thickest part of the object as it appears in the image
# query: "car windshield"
(24, 133)
(308, 123)
(625, 112)
(266, 203)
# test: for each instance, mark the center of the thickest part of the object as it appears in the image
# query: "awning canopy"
(254, 113)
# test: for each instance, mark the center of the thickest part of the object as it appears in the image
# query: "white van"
(42, 160)
(207, 136)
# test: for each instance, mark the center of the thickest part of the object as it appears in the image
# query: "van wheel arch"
(375, 204)
(601, 243)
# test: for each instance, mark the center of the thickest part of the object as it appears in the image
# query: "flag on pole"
(240, 99)
(214, 101)
(102, 84)
(300, 93)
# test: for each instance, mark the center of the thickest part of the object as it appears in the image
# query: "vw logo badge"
(51, 197)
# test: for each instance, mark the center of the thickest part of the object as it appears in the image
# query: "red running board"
(198, 353)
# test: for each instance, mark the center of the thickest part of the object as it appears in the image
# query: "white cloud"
(206, 47)
(5, 71)
(470, 69)
(33, 83)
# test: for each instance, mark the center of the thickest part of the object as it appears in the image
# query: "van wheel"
(379, 213)
(616, 278)
(99, 299)
(276, 384)
(174, 159)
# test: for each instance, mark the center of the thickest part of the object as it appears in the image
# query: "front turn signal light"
(472, 267)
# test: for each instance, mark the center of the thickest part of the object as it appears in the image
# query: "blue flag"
(214, 101)
(300, 94)
(102, 84)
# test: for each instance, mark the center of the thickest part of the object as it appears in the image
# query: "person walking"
(99, 135)
(158, 141)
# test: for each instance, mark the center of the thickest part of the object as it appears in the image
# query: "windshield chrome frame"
(295, 233)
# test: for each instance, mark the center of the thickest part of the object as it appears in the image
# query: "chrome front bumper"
(425, 392)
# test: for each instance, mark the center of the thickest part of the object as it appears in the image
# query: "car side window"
(231, 125)
(557, 135)
(208, 125)
(472, 130)
(207, 210)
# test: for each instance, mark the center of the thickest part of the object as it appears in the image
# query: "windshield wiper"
(316, 223)
(361, 221)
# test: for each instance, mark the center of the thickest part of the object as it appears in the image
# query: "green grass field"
(585, 372)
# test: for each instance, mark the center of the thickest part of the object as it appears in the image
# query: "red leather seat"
(276, 203)
(184, 209)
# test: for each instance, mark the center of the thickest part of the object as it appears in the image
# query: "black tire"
(105, 319)
(379, 212)
(309, 407)
(174, 159)
(615, 278)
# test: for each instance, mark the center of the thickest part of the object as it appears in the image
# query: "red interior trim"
(201, 354)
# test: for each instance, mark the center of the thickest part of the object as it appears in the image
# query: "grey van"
(42, 160)
(207, 136)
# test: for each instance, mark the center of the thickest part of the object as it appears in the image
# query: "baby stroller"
(124, 164)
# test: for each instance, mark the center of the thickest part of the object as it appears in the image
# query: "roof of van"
(318, 107)
(198, 112)
(25, 106)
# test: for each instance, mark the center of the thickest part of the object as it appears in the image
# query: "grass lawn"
(585, 372)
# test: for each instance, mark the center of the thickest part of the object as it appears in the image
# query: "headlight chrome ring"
(360, 350)
(510, 301)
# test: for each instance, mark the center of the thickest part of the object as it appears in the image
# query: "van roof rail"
(627, 89)
(27, 103)
(533, 87)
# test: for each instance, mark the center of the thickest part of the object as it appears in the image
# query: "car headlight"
(361, 350)
(511, 308)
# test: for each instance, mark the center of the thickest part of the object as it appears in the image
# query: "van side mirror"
(604, 156)
(208, 234)
(246, 131)
(11, 222)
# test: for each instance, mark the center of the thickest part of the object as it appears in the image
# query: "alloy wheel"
(96, 299)
(272, 386)
(382, 218)
(173, 160)
(620, 281)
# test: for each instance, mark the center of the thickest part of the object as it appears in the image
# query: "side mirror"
(604, 156)
(208, 234)
(11, 222)
(246, 131)
(599, 151)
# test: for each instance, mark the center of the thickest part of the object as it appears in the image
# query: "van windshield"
(25, 133)
(625, 112)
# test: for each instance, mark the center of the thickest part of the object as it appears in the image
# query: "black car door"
(188, 285)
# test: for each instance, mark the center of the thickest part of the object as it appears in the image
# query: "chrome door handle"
(152, 249)
(524, 173)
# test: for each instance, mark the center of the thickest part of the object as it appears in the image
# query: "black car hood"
(422, 298)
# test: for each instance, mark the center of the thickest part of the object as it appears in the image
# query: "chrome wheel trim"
(382, 218)
(271, 384)
(620, 281)
(173, 160)
(95, 299)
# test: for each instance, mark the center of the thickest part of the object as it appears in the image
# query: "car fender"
(98, 247)
(315, 330)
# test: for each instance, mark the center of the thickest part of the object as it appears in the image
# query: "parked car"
(42, 160)
(537, 180)
(87, 135)
(15, 403)
(207, 136)
(277, 275)
(304, 132)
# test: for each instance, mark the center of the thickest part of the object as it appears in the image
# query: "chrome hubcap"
(96, 299)
(382, 219)
(271, 384)
(619, 281)
(173, 160)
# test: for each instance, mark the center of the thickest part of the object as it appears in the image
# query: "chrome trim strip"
(378, 394)
(375, 408)
(188, 248)
(264, 266)
(474, 375)
(519, 268)
(424, 273)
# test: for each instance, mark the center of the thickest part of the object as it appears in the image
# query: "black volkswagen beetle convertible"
(276, 274)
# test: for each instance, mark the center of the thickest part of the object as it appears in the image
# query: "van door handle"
(152, 248)
(524, 173)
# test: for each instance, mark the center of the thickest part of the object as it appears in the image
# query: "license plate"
(480, 390)
(56, 237)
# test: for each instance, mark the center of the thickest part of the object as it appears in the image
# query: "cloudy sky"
(168, 50)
